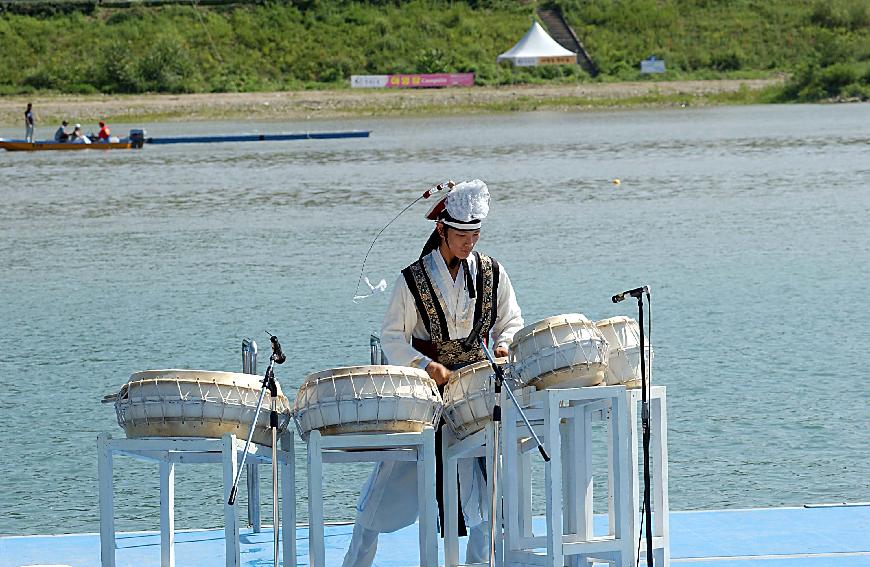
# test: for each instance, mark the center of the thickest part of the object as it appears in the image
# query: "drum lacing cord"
(118, 413)
(160, 400)
(439, 404)
(554, 346)
(303, 407)
(395, 391)
(597, 339)
(418, 410)
(225, 401)
(559, 356)
(335, 397)
(129, 418)
(521, 366)
(358, 396)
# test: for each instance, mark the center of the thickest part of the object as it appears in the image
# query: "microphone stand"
(496, 426)
(646, 386)
(271, 384)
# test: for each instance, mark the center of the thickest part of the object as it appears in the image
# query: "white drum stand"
(568, 479)
(169, 451)
(479, 444)
(659, 447)
(374, 447)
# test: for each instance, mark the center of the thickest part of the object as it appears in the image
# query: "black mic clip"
(636, 292)
(277, 354)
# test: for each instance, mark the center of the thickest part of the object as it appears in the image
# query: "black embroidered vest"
(454, 353)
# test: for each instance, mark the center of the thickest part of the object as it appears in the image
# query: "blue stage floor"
(769, 537)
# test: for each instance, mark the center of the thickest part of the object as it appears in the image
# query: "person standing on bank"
(440, 305)
(28, 123)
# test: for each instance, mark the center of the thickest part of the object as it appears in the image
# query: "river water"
(749, 223)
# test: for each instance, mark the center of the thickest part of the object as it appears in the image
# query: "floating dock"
(220, 138)
(817, 536)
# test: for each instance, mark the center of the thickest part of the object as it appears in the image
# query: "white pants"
(28, 132)
(388, 502)
(364, 545)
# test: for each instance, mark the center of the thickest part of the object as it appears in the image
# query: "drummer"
(440, 306)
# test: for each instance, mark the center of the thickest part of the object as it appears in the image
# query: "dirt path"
(301, 105)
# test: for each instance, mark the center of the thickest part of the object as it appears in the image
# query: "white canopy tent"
(537, 48)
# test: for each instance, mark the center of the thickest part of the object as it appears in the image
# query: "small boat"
(21, 146)
(135, 140)
(138, 138)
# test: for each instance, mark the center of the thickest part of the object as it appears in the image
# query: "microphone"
(438, 188)
(632, 292)
(277, 353)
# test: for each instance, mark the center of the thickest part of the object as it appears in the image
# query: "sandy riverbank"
(323, 104)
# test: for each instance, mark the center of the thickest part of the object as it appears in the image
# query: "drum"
(623, 336)
(470, 396)
(564, 351)
(367, 399)
(196, 403)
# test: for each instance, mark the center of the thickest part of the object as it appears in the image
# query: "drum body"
(367, 399)
(196, 403)
(623, 336)
(470, 396)
(564, 351)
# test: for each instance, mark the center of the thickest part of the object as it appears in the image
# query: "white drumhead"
(250, 381)
(549, 322)
(470, 378)
(623, 337)
(196, 403)
(470, 397)
(375, 398)
(562, 351)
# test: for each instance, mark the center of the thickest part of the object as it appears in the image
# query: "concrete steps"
(555, 24)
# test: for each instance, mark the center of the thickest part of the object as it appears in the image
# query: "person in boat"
(447, 296)
(61, 135)
(29, 123)
(78, 137)
(104, 133)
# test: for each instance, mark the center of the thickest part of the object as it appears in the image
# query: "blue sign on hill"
(652, 65)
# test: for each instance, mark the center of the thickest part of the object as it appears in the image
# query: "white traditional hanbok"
(388, 501)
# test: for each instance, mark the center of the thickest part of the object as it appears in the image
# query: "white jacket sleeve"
(398, 327)
(509, 318)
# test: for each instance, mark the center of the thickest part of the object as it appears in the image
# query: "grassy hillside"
(825, 44)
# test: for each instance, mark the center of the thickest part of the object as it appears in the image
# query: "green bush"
(731, 60)
(166, 67)
(842, 80)
(848, 14)
(193, 48)
(432, 60)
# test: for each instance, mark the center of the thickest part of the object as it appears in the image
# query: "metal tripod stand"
(270, 384)
(496, 427)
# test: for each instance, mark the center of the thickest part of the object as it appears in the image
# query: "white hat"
(78, 125)
(463, 207)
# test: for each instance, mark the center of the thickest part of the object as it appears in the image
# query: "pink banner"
(429, 80)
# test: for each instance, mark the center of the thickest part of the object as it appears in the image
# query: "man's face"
(460, 242)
